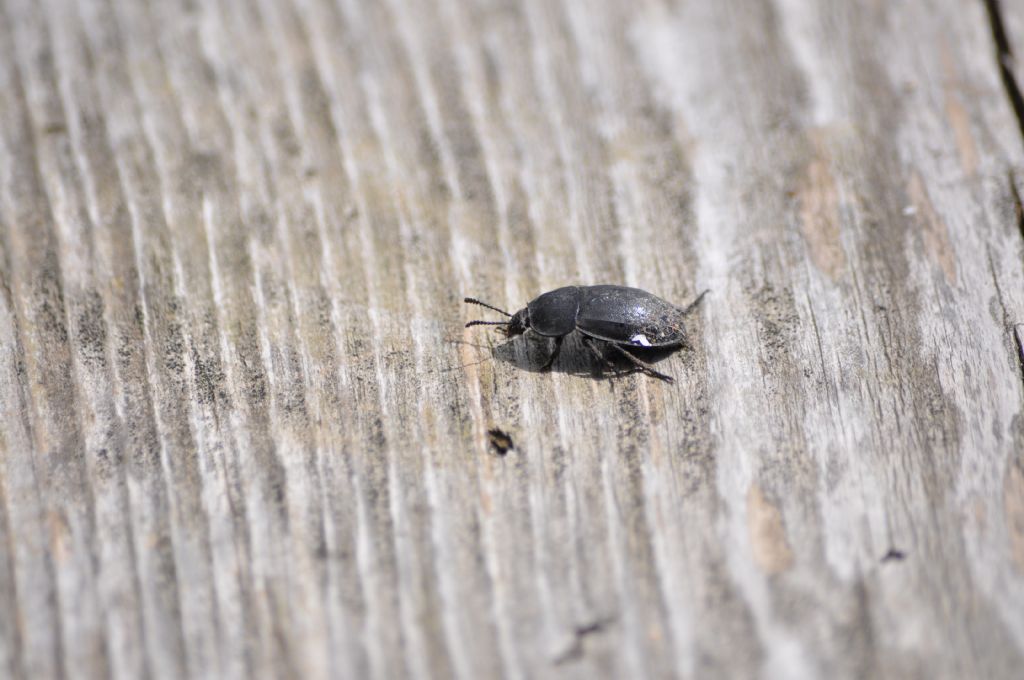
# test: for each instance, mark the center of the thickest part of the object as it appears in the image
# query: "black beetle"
(618, 315)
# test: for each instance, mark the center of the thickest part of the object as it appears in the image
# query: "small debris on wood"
(500, 440)
(894, 555)
(574, 649)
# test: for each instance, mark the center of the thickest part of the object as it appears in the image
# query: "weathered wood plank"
(243, 433)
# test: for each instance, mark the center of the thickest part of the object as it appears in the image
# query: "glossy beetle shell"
(618, 314)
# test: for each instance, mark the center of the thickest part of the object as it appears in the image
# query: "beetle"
(619, 316)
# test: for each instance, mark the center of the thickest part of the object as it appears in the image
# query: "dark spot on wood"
(500, 441)
(92, 330)
(51, 315)
(593, 627)
(209, 377)
(173, 349)
(778, 322)
(894, 555)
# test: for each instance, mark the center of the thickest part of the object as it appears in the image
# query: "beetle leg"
(592, 346)
(554, 354)
(693, 305)
(642, 365)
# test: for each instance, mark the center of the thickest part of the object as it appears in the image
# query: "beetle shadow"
(531, 353)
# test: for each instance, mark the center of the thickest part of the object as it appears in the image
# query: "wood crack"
(1018, 327)
(1018, 206)
(1018, 336)
(1004, 57)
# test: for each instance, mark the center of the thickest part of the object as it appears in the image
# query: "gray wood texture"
(243, 433)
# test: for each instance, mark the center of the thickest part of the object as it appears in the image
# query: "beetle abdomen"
(629, 316)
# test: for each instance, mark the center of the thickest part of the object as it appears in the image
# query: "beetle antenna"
(486, 323)
(693, 305)
(474, 301)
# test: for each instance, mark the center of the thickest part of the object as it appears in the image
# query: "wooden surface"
(243, 433)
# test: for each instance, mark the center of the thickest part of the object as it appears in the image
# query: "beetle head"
(507, 324)
(519, 322)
